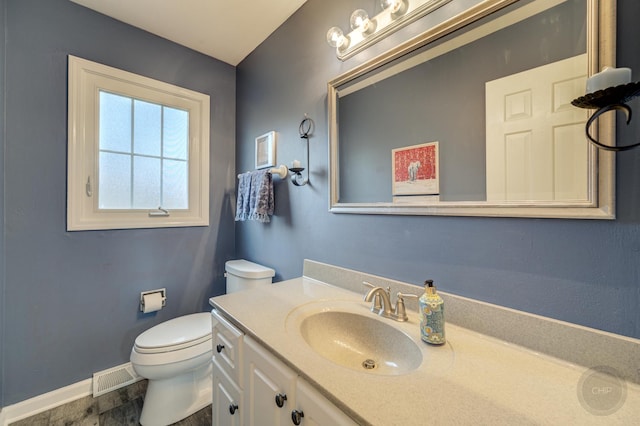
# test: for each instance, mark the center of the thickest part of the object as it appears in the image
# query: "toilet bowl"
(175, 356)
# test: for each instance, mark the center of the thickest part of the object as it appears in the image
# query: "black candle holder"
(296, 177)
(305, 129)
(609, 99)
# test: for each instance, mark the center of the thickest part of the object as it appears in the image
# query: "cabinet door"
(313, 409)
(227, 405)
(265, 379)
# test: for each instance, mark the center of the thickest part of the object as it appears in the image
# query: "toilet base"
(173, 399)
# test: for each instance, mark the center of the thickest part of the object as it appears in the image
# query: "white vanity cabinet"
(276, 395)
(252, 387)
(228, 399)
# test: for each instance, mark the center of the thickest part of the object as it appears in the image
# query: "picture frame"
(416, 169)
(266, 150)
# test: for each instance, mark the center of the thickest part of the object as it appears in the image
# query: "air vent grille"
(113, 378)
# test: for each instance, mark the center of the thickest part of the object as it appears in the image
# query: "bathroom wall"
(2, 85)
(71, 298)
(582, 271)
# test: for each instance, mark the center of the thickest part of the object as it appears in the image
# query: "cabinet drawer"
(228, 404)
(227, 346)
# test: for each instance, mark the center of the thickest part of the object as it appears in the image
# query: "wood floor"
(121, 407)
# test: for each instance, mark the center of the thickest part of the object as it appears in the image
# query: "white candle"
(295, 164)
(608, 77)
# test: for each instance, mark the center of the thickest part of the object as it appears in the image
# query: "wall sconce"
(365, 31)
(305, 129)
(609, 90)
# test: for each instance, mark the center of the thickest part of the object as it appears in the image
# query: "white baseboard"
(44, 402)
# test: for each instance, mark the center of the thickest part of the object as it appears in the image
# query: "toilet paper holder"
(163, 293)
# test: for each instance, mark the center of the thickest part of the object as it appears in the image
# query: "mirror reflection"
(481, 116)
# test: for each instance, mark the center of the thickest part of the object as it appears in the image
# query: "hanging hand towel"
(255, 196)
(242, 203)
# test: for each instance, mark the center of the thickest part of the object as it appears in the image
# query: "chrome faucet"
(382, 302)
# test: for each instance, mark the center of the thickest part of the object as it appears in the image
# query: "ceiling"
(227, 30)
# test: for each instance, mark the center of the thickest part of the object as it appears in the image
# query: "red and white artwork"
(416, 170)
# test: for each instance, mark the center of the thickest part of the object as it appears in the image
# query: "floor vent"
(113, 378)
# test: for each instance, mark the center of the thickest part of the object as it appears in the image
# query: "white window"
(138, 154)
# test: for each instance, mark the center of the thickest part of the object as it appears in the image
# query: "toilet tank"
(242, 275)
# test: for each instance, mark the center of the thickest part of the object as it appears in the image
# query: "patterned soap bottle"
(431, 315)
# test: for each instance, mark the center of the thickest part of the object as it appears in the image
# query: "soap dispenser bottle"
(431, 315)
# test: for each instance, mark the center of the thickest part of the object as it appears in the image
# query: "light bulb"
(396, 7)
(359, 19)
(386, 3)
(336, 38)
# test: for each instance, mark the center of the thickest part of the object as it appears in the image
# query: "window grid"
(132, 155)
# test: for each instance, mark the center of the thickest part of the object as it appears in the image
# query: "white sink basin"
(360, 341)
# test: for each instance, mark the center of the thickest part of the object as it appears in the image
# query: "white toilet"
(175, 356)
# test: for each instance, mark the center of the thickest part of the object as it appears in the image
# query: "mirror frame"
(601, 33)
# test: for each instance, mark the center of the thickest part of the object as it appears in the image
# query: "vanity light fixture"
(366, 31)
(609, 90)
(306, 130)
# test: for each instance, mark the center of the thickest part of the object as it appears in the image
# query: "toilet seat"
(176, 334)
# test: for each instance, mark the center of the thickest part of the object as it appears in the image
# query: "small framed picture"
(416, 170)
(266, 150)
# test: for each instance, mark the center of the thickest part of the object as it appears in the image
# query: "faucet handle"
(401, 312)
(377, 302)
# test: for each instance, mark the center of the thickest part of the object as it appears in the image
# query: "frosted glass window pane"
(115, 122)
(146, 128)
(146, 183)
(176, 133)
(115, 181)
(175, 185)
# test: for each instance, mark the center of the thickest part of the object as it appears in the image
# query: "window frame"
(85, 81)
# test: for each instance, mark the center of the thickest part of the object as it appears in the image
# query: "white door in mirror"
(536, 149)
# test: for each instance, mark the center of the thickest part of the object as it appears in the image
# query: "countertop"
(472, 379)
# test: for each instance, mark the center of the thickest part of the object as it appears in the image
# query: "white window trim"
(85, 80)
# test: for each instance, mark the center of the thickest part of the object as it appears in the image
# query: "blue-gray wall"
(71, 298)
(585, 272)
(2, 320)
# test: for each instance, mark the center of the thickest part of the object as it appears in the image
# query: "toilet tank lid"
(176, 332)
(245, 269)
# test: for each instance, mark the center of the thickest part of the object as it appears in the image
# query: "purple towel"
(255, 196)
